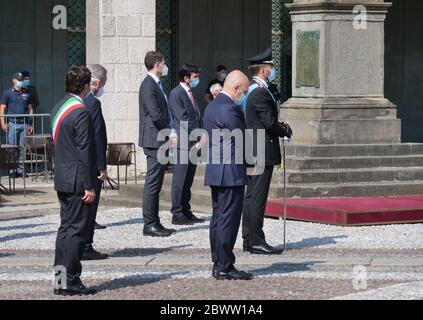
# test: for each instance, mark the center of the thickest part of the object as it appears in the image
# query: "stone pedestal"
(338, 74)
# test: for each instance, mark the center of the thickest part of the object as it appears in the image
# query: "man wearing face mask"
(75, 175)
(261, 112)
(93, 105)
(184, 108)
(31, 89)
(155, 115)
(226, 177)
(221, 72)
(16, 101)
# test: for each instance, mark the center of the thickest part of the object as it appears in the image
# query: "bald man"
(225, 176)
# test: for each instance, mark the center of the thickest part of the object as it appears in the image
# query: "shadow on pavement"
(26, 236)
(312, 242)
(283, 268)
(142, 252)
(136, 280)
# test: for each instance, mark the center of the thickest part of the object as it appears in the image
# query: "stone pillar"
(119, 33)
(338, 74)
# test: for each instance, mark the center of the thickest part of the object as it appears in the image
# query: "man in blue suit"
(186, 118)
(225, 174)
(93, 105)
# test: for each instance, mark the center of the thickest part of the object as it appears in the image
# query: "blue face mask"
(195, 82)
(19, 84)
(272, 76)
(26, 83)
(239, 102)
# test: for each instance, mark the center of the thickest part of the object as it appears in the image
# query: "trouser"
(224, 225)
(254, 207)
(183, 177)
(152, 187)
(16, 136)
(93, 215)
(72, 235)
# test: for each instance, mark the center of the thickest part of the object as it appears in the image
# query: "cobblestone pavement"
(321, 262)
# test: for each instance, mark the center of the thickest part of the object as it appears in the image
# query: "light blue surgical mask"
(100, 93)
(272, 76)
(19, 84)
(165, 71)
(26, 83)
(195, 82)
(239, 102)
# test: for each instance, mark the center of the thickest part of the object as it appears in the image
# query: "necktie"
(191, 97)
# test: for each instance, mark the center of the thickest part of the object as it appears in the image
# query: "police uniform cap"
(262, 58)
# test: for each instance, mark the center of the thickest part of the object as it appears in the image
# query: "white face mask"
(222, 76)
(165, 71)
(100, 93)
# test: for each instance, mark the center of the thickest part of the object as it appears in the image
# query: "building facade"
(343, 84)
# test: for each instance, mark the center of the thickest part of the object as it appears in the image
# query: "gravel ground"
(141, 288)
(125, 231)
(32, 236)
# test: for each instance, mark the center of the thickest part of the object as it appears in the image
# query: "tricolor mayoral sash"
(69, 106)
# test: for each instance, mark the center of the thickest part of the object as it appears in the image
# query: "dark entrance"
(404, 65)
(29, 42)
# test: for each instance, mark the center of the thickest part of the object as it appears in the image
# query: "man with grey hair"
(98, 81)
(215, 90)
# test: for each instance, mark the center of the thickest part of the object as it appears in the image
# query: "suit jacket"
(94, 107)
(223, 113)
(154, 113)
(183, 110)
(262, 113)
(75, 157)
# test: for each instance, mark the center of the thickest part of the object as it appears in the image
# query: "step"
(304, 163)
(353, 190)
(352, 175)
(355, 150)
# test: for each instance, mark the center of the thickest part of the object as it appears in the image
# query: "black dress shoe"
(182, 221)
(264, 249)
(91, 254)
(75, 290)
(158, 231)
(99, 226)
(233, 275)
(194, 219)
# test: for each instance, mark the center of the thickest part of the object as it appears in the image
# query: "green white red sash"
(64, 111)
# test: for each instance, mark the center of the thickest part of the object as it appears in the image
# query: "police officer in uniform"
(31, 89)
(16, 101)
(261, 114)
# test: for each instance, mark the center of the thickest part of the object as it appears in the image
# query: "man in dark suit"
(74, 180)
(186, 118)
(225, 175)
(98, 81)
(155, 116)
(261, 114)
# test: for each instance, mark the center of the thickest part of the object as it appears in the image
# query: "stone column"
(338, 74)
(119, 33)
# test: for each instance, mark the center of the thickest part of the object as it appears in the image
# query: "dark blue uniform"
(226, 179)
(17, 102)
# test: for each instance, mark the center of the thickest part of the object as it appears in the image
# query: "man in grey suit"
(186, 118)
(155, 116)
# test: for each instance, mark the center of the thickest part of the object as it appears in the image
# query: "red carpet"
(351, 211)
